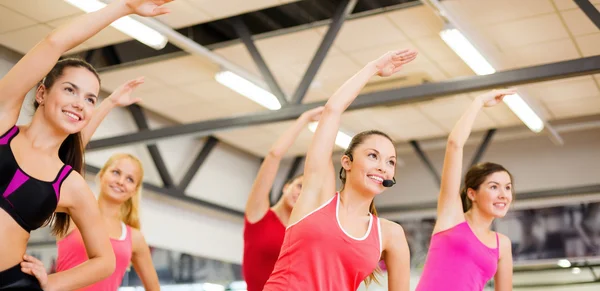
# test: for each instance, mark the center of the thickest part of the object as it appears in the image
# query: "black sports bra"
(29, 201)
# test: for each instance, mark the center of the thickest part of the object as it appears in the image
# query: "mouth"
(117, 189)
(72, 115)
(376, 179)
(500, 205)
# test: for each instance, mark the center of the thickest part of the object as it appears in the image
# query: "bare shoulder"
(391, 231)
(505, 245)
(73, 190)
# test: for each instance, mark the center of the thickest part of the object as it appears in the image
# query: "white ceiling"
(522, 33)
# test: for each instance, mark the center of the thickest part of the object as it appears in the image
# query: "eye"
(372, 155)
(116, 172)
(494, 187)
(130, 180)
(70, 90)
(392, 163)
(508, 188)
(91, 100)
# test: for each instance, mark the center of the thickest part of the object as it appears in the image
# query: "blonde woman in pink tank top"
(464, 252)
(120, 189)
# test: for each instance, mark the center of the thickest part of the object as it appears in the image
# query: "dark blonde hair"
(355, 142)
(130, 209)
(475, 177)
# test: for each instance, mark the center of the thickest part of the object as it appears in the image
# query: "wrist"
(50, 284)
(122, 7)
(371, 67)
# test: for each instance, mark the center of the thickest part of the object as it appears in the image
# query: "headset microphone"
(389, 183)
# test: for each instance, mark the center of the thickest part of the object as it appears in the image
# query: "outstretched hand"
(122, 95)
(494, 97)
(148, 7)
(393, 61)
(35, 267)
(313, 114)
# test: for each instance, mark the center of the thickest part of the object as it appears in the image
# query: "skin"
(258, 200)
(66, 108)
(490, 201)
(360, 189)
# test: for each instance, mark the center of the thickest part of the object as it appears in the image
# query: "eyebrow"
(78, 89)
(494, 182)
(379, 152)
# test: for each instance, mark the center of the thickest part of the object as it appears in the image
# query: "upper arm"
(24, 76)
(449, 208)
(328, 189)
(396, 256)
(80, 203)
(142, 261)
(258, 200)
(503, 278)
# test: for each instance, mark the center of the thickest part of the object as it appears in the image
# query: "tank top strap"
(60, 178)
(497, 245)
(9, 135)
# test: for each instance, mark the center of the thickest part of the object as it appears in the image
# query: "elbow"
(275, 154)
(453, 144)
(107, 266)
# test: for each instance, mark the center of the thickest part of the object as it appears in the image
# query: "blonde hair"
(129, 209)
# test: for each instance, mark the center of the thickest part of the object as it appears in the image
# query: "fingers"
(160, 11)
(504, 92)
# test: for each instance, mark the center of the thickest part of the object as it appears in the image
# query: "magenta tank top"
(71, 253)
(459, 259)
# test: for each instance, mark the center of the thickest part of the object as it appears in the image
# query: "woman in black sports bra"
(40, 163)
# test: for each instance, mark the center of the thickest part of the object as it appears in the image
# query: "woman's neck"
(110, 210)
(283, 211)
(479, 220)
(43, 136)
(354, 202)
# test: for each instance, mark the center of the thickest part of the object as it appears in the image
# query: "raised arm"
(119, 98)
(317, 168)
(41, 58)
(449, 209)
(258, 201)
(142, 261)
(80, 203)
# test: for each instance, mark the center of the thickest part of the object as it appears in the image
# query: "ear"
(346, 163)
(40, 94)
(471, 194)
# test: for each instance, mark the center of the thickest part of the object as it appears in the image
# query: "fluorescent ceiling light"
(564, 263)
(341, 139)
(248, 89)
(466, 51)
(471, 56)
(127, 25)
(524, 112)
(575, 270)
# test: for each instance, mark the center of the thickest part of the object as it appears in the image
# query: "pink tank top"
(318, 255)
(459, 259)
(71, 253)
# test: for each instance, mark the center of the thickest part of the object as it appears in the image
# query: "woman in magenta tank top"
(334, 241)
(264, 226)
(464, 253)
(120, 181)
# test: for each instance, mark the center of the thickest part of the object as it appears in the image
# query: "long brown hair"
(71, 149)
(475, 177)
(130, 210)
(355, 142)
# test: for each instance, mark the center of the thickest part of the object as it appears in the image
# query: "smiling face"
(120, 179)
(489, 189)
(291, 191)
(493, 196)
(369, 160)
(68, 95)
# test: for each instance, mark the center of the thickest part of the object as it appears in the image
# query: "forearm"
(99, 114)
(463, 127)
(84, 27)
(346, 94)
(89, 272)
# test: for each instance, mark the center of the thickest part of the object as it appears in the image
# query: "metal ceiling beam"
(483, 146)
(343, 10)
(559, 70)
(423, 157)
(590, 10)
(246, 36)
(178, 195)
(209, 145)
(142, 123)
(523, 196)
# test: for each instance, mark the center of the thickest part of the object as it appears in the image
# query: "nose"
(78, 105)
